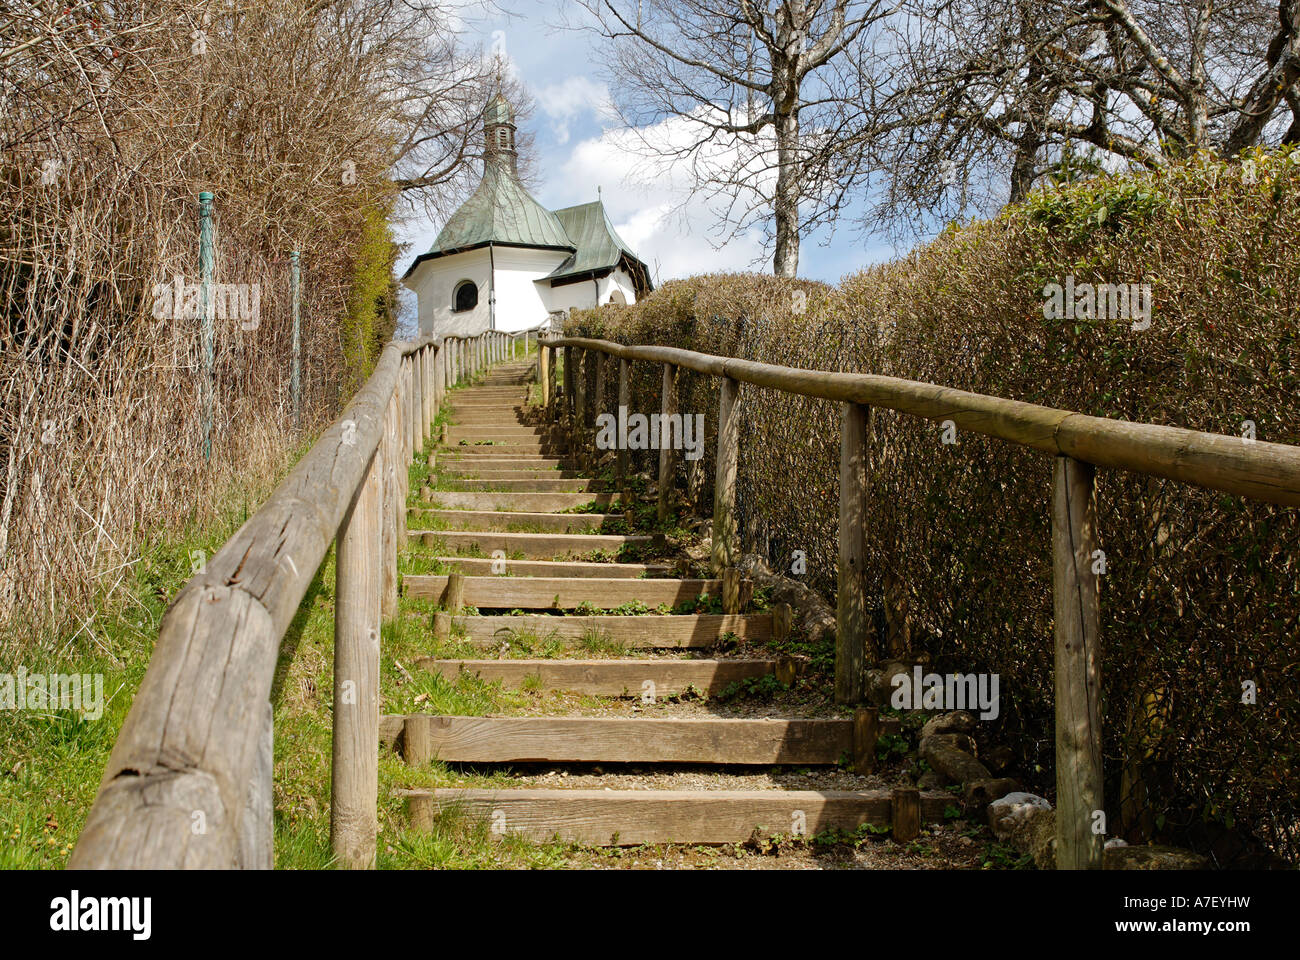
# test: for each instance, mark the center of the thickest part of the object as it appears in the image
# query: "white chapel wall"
(434, 282)
(521, 302)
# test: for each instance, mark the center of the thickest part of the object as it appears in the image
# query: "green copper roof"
(498, 111)
(599, 247)
(500, 211)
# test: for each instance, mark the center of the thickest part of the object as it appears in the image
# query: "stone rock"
(698, 552)
(1039, 839)
(880, 685)
(812, 614)
(1152, 858)
(959, 721)
(1000, 758)
(1010, 813)
(932, 780)
(954, 763)
(1114, 842)
(958, 741)
(980, 793)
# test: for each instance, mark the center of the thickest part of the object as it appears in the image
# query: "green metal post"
(205, 308)
(295, 383)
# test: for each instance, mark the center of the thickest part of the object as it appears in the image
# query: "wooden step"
(535, 546)
(616, 678)
(507, 502)
(542, 475)
(562, 593)
(506, 447)
(468, 454)
(627, 740)
(522, 521)
(475, 433)
(524, 485)
(508, 469)
(677, 631)
(606, 818)
(484, 566)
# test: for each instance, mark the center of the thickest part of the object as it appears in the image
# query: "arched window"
(618, 298)
(465, 296)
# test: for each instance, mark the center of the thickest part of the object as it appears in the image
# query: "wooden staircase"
(516, 523)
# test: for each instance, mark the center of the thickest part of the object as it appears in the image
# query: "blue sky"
(577, 149)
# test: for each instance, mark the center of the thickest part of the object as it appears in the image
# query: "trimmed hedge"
(1200, 593)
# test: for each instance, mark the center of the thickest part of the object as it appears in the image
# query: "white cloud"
(651, 202)
(572, 98)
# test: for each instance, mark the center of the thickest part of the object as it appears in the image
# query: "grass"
(53, 760)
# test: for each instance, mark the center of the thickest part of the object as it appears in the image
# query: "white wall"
(433, 283)
(618, 280)
(521, 302)
(570, 296)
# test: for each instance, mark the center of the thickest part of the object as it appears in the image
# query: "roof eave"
(434, 254)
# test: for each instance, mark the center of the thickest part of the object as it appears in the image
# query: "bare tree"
(114, 116)
(758, 97)
(1000, 94)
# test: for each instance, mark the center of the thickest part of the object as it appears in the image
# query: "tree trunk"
(786, 201)
(1023, 165)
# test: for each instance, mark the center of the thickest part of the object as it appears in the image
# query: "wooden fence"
(1077, 443)
(188, 782)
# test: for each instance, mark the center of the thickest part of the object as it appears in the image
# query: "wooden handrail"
(1256, 469)
(187, 783)
(1079, 443)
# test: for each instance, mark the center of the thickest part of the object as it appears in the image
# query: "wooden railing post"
(852, 624)
(598, 403)
(578, 427)
(401, 447)
(412, 411)
(388, 446)
(1077, 609)
(440, 377)
(430, 397)
(544, 376)
(354, 781)
(667, 456)
(550, 381)
(723, 550)
(426, 398)
(624, 398)
(256, 842)
(421, 410)
(566, 412)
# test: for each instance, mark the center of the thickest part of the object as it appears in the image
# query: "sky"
(577, 150)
